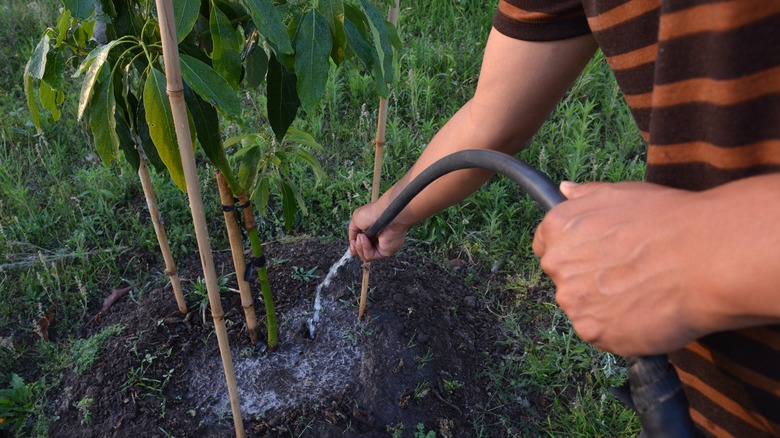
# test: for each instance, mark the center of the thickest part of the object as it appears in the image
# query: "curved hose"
(656, 391)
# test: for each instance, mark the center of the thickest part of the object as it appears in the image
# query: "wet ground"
(417, 361)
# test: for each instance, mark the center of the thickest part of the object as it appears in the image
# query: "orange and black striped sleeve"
(540, 20)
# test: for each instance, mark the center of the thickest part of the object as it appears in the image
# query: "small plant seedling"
(424, 359)
(304, 276)
(421, 433)
(421, 390)
(397, 430)
(451, 385)
(83, 406)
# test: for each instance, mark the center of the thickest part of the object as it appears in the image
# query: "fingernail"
(568, 185)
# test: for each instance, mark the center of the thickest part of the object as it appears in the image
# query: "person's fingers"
(572, 190)
(539, 243)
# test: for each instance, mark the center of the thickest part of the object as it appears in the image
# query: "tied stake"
(253, 264)
(238, 209)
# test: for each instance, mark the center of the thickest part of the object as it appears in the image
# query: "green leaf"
(49, 99)
(359, 43)
(312, 49)
(126, 142)
(363, 49)
(30, 94)
(269, 23)
(288, 204)
(226, 55)
(207, 129)
(296, 135)
(381, 37)
(333, 11)
(256, 66)
(54, 76)
(161, 127)
(96, 62)
(262, 194)
(102, 120)
(212, 87)
(238, 139)
(37, 62)
(298, 198)
(282, 102)
(309, 159)
(186, 13)
(63, 24)
(248, 164)
(147, 145)
(80, 9)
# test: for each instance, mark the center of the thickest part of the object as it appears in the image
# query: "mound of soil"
(417, 361)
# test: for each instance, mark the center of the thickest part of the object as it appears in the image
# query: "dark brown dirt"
(418, 359)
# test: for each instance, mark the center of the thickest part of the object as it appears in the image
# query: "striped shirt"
(702, 79)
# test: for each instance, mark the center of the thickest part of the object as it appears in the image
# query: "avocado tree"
(284, 49)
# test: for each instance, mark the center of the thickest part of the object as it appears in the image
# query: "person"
(686, 262)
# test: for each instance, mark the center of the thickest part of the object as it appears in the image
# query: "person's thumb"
(572, 190)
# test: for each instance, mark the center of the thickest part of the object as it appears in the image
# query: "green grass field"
(71, 229)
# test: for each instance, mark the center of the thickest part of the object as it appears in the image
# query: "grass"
(72, 229)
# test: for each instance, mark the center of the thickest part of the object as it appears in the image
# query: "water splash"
(325, 283)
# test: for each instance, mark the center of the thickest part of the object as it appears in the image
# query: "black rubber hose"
(656, 391)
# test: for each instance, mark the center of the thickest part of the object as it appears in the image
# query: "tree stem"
(237, 250)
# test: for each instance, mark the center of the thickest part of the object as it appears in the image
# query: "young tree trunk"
(175, 90)
(262, 272)
(162, 238)
(258, 259)
(379, 151)
(237, 250)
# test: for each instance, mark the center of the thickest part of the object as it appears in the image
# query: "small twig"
(116, 294)
(441, 399)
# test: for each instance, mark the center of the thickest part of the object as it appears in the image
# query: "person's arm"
(519, 85)
(643, 269)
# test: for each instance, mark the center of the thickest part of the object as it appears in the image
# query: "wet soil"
(417, 361)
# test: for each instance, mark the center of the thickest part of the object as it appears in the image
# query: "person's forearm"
(738, 275)
(519, 85)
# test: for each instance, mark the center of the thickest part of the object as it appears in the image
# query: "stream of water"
(325, 283)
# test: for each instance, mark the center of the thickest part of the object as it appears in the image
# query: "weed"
(397, 430)
(83, 406)
(421, 433)
(451, 385)
(84, 352)
(304, 276)
(421, 361)
(139, 378)
(421, 390)
(199, 293)
(16, 405)
(357, 332)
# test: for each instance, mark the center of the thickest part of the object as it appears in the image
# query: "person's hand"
(619, 256)
(388, 241)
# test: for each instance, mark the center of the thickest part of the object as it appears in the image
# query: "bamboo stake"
(175, 90)
(237, 250)
(379, 151)
(162, 237)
